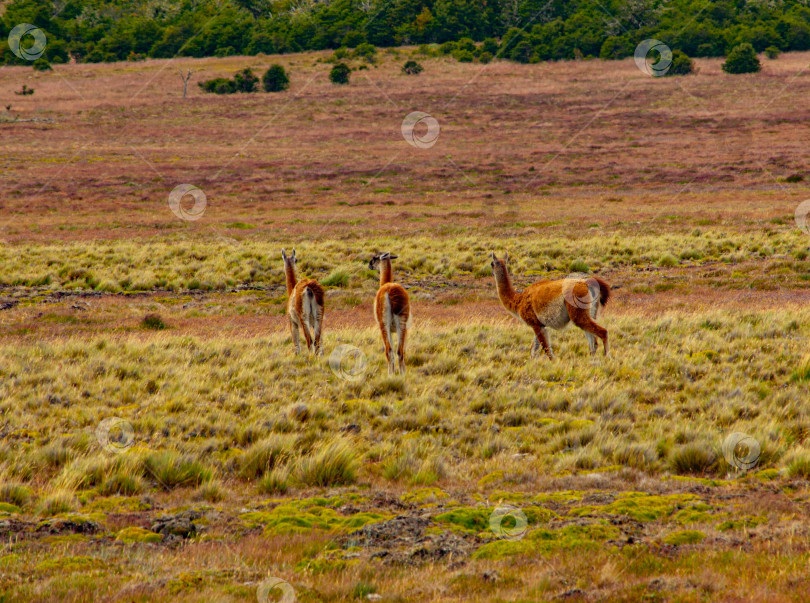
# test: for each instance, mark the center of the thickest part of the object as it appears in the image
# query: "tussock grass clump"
(154, 322)
(265, 454)
(123, 483)
(337, 278)
(15, 493)
(694, 457)
(802, 372)
(331, 464)
(59, 501)
(171, 469)
(387, 385)
(275, 481)
(799, 466)
(211, 491)
(668, 261)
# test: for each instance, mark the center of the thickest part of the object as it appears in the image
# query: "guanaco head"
(499, 268)
(376, 259)
(289, 260)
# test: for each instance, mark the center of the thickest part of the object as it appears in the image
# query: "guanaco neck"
(289, 271)
(506, 292)
(386, 273)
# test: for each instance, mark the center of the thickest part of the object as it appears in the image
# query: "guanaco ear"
(293, 255)
(385, 256)
(283, 255)
(392, 257)
(492, 255)
(506, 257)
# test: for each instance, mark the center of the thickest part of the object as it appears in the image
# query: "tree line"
(525, 31)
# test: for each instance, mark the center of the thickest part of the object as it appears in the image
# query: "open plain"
(160, 441)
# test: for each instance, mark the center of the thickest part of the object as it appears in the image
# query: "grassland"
(190, 455)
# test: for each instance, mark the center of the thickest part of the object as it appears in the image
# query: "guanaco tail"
(305, 307)
(554, 304)
(392, 310)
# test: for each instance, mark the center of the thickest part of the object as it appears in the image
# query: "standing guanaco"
(553, 304)
(392, 310)
(305, 306)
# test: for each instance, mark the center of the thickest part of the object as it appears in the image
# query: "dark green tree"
(275, 79)
(742, 59)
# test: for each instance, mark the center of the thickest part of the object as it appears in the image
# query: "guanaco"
(553, 304)
(392, 310)
(305, 307)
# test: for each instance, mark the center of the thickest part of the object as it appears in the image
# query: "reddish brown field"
(577, 142)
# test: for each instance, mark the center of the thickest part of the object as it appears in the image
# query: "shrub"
(245, 81)
(681, 64)
(427, 50)
(772, 52)
(341, 53)
(742, 59)
(465, 44)
(275, 79)
(365, 51)
(490, 45)
(463, 56)
(522, 52)
(448, 48)
(42, 64)
(485, 57)
(218, 85)
(153, 321)
(340, 74)
(412, 68)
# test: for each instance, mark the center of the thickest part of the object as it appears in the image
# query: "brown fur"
(301, 292)
(399, 303)
(552, 304)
